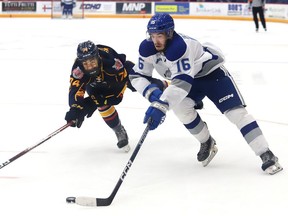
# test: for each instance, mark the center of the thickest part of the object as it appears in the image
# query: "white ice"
(36, 56)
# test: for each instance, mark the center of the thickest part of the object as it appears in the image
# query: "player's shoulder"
(147, 48)
(176, 48)
(104, 49)
(110, 53)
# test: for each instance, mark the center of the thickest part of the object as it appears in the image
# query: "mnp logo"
(133, 8)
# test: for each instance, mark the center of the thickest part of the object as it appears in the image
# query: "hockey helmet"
(88, 56)
(161, 23)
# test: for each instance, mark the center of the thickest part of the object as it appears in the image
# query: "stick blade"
(86, 201)
(92, 201)
(104, 202)
(89, 201)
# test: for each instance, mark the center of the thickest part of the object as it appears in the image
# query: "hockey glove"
(75, 114)
(157, 113)
(152, 93)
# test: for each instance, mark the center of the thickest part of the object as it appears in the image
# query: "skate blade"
(126, 148)
(213, 152)
(274, 169)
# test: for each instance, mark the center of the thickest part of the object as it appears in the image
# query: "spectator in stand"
(258, 7)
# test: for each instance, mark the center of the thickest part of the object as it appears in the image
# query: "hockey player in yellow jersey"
(102, 73)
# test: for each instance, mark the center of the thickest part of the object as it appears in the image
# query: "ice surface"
(36, 56)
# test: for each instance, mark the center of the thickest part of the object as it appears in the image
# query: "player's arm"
(77, 84)
(110, 90)
(184, 67)
(141, 78)
(182, 70)
(177, 90)
(79, 106)
(76, 91)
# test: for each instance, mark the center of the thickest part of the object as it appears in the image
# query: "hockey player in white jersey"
(196, 70)
(67, 8)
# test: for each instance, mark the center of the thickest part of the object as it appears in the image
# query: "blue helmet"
(161, 23)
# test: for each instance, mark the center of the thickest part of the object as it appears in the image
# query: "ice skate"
(122, 138)
(270, 163)
(207, 151)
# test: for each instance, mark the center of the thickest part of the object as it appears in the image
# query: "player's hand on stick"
(156, 113)
(77, 112)
(76, 115)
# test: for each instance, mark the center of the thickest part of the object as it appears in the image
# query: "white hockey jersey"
(183, 60)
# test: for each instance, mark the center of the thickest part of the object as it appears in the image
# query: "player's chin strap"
(92, 201)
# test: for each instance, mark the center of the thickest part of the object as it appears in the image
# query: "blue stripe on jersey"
(175, 48)
(147, 48)
(248, 128)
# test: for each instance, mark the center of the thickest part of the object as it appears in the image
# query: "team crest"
(118, 64)
(167, 74)
(77, 73)
(158, 60)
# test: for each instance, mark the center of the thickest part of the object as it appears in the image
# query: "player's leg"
(111, 118)
(262, 18)
(70, 11)
(187, 114)
(253, 135)
(255, 17)
(226, 96)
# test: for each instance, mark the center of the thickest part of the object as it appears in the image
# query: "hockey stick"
(34, 146)
(91, 201)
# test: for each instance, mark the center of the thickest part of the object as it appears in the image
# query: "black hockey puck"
(70, 199)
